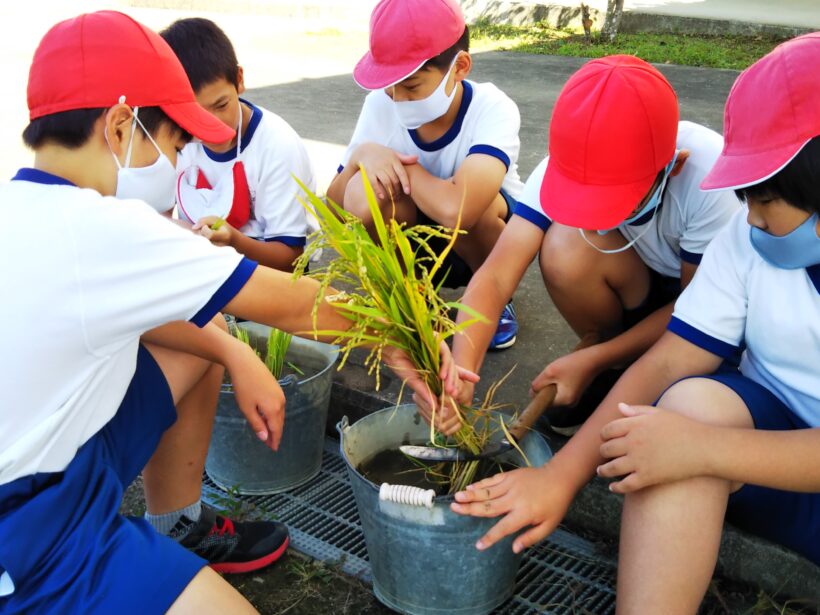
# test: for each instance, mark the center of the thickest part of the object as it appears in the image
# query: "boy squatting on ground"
(110, 107)
(744, 443)
(621, 162)
(429, 139)
(248, 180)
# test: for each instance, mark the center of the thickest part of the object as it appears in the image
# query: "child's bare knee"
(707, 401)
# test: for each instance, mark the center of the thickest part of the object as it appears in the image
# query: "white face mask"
(154, 184)
(415, 113)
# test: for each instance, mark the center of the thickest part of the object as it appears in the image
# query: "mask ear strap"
(622, 249)
(145, 130)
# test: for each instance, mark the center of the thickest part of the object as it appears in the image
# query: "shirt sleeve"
(496, 132)
(705, 222)
(277, 205)
(529, 201)
(711, 311)
(138, 270)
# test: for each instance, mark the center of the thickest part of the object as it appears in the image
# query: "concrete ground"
(301, 70)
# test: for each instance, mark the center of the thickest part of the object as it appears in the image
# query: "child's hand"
(385, 168)
(573, 373)
(651, 446)
(258, 394)
(214, 228)
(442, 413)
(527, 497)
(453, 379)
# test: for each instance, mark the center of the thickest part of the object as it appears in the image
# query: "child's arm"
(276, 299)
(476, 184)
(273, 254)
(651, 446)
(488, 291)
(258, 394)
(540, 497)
(575, 371)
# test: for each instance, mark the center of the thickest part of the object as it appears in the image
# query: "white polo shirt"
(272, 154)
(738, 298)
(487, 123)
(99, 273)
(687, 219)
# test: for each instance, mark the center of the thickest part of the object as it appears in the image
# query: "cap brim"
(195, 119)
(371, 75)
(733, 171)
(586, 206)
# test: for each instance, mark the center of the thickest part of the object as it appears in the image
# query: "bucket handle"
(406, 494)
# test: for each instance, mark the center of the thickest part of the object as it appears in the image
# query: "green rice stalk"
(393, 301)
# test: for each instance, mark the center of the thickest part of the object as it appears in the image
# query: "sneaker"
(566, 420)
(507, 330)
(232, 546)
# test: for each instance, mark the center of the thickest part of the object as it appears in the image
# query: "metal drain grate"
(563, 574)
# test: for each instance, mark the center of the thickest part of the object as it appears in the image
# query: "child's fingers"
(467, 375)
(532, 536)
(401, 174)
(616, 429)
(610, 449)
(620, 466)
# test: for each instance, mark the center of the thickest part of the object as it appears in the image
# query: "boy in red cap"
(99, 386)
(724, 441)
(434, 144)
(620, 223)
(248, 181)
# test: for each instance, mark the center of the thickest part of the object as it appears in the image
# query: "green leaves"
(390, 297)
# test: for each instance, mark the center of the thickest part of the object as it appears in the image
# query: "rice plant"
(275, 351)
(394, 301)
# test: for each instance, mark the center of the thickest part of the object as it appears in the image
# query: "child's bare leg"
(210, 593)
(481, 237)
(173, 476)
(591, 289)
(401, 207)
(670, 533)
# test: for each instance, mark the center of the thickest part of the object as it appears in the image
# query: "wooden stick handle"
(542, 400)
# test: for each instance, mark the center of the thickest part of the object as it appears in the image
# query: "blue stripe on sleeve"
(490, 151)
(293, 242)
(528, 213)
(693, 258)
(226, 292)
(701, 339)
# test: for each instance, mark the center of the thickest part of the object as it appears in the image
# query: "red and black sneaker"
(232, 546)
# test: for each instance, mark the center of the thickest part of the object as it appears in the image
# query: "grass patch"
(729, 51)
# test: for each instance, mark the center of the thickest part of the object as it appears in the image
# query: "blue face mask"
(796, 250)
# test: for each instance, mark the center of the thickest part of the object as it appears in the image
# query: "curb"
(521, 13)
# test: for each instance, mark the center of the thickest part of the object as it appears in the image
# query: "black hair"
(798, 183)
(204, 51)
(443, 60)
(73, 128)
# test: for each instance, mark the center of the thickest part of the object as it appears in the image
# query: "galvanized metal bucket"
(238, 460)
(424, 560)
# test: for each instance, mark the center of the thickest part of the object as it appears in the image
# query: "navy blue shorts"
(786, 517)
(64, 544)
(455, 272)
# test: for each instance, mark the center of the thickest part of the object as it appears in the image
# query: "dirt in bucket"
(394, 467)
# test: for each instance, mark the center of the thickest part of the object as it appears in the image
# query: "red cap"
(613, 129)
(93, 60)
(404, 34)
(772, 111)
